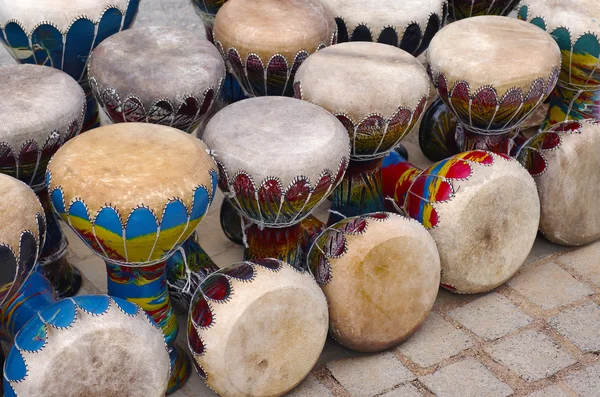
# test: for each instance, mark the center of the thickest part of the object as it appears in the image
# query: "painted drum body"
(492, 72)
(40, 109)
(134, 203)
(380, 273)
(265, 42)
(378, 92)
(483, 211)
(92, 345)
(177, 76)
(573, 24)
(460, 9)
(278, 159)
(564, 164)
(21, 235)
(408, 24)
(62, 34)
(257, 328)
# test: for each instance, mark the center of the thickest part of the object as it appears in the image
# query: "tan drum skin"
(257, 328)
(564, 162)
(380, 273)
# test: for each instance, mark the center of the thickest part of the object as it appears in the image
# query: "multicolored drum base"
(437, 132)
(360, 192)
(287, 244)
(397, 176)
(147, 287)
(460, 9)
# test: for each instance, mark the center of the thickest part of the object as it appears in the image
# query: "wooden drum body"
(257, 328)
(380, 273)
(62, 34)
(564, 164)
(483, 211)
(573, 24)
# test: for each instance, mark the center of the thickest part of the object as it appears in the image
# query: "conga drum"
(408, 24)
(156, 75)
(62, 34)
(134, 192)
(265, 42)
(278, 159)
(92, 345)
(380, 274)
(257, 328)
(492, 72)
(564, 164)
(379, 100)
(482, 210)
(574, 26)
(40, 109)
(460, 9)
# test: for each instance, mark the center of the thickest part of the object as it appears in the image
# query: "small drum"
(492, 72)
(574, 26)
(62, 34)
(381, 274)
(21, 235)
(483, 212)
(408, 24)
(93, 346)
(257, 328)
(460, 9)
(134, 203)
(177, 76)
(40, 109)
(563, 161)
(379, 100)
(265, 42)
(278, 159)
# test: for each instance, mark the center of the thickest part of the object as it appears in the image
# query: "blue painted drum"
(62, 34)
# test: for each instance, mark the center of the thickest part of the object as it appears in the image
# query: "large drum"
(563, 161)
(265, 42)
(257, 328)
(40, 109)
(177, 76)
(379, 100)
(381, 274)
(483, 211)
(62, 34)
(460, 9)
(93, 346)
(492, 72)
(134, 193)
(573, 24)
(408, 24)
(21, 235)
(278, 159)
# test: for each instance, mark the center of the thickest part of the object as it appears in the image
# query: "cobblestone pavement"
(538, 335)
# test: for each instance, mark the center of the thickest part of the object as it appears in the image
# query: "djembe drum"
(492, 72)
(40, 109)
(92, 345)
(408, 24)
(379, 100)
(460, 9)
(265, 42)
(574, 26)
(134, 203)
(257, 328)
(564, 163)
(186, 72)
(482, 210)
(177, 76)
(278, 159)
(62, 34)
(381, 274)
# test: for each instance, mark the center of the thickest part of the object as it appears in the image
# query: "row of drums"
(295, 103)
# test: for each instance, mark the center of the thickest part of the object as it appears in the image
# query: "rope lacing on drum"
(395, 205)
(337, 213)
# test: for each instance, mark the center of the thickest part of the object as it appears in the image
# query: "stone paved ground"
(538, 335)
